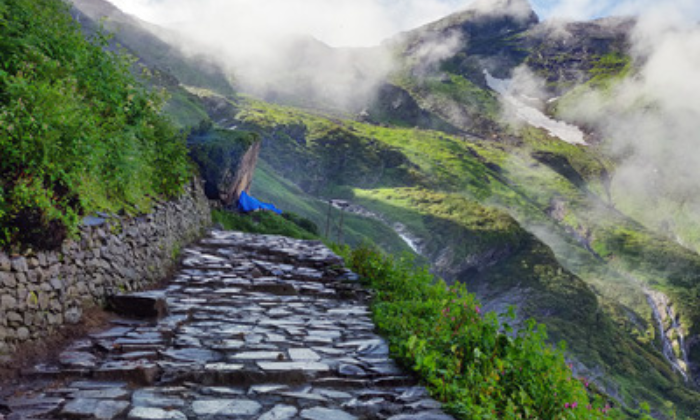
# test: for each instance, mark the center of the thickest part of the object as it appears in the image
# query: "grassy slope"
(263, 222)
(463, 354)
(507, 176)
(271, 187)
(522, 177)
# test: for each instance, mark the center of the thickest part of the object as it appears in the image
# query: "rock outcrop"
(227, 160)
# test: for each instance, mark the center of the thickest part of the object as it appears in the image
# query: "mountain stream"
(411, 240)
(663, 310)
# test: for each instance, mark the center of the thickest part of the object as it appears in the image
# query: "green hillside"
(487, 249)
(518, 216)
(78, 133)
(436, 185)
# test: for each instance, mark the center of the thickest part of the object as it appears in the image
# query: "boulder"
(226, 160)
(139, 305)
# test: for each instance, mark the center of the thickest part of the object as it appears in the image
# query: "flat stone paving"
(257, 327)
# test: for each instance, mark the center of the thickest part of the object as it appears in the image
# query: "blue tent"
(247, 204)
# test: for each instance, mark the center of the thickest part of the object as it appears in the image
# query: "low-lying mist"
(319, 53)
(305, 52)
(651, 121)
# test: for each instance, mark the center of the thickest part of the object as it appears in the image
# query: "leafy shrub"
(474, 362)
(78, 132)
(302, 222)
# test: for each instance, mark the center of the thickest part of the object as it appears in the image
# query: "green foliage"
(474, 362)
(78, 133)
(267, 223)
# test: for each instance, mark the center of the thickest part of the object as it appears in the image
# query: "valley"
(463, 143)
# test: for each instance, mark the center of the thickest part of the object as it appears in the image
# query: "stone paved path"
(252, 327)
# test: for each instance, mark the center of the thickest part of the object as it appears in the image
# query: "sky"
(365, 22)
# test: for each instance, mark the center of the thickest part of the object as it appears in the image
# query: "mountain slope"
(168, 66)
(147, 42)
(501, 262)
(517, 214)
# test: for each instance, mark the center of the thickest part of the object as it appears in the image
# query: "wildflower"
(477, 309)
(566, 405)
(574, 404)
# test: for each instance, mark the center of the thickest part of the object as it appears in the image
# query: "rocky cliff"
(227, 161)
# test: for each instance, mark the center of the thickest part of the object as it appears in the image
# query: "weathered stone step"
(256, 327)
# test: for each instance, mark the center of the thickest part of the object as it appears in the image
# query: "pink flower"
(566, 405)
(574, 404)
(477, 309)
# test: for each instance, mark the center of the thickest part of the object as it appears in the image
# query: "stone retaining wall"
(41, 291)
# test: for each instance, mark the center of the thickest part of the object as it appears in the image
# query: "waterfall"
(662, 309)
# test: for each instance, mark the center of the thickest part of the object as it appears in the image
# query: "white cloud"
(367, 22)
(653, 119)
(336, 22)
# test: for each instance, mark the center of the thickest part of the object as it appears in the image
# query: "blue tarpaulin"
(246, 204)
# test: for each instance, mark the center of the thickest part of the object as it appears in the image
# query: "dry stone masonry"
(252, 327)
(44, 290)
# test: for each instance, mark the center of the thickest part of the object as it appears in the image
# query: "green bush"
(302, 222)
(474, 362)
(78, 132)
